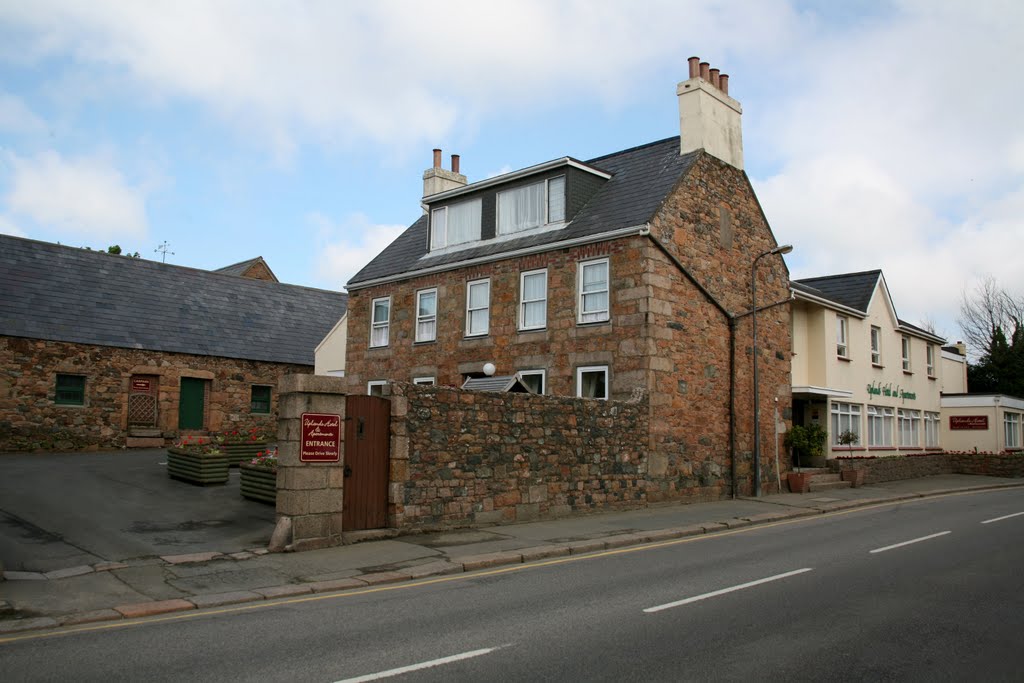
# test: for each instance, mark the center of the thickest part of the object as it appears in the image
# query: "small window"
(478, 308)
(380, 321)
(426, 381)
(876, 345)
(260, 400)
(426, 315)
(841, 329)
(593, 291)
(376, 387)
(592, 382)
(533, 295)
(1011, 430)
(930, 360)
(533, 379)
(455, 224)
(931, 430)
(556, 199)
(70, 390)
(906, 353)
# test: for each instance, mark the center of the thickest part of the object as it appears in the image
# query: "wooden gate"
(143, 391)
(367, 451)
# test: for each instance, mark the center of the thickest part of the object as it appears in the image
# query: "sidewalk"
(171, 583)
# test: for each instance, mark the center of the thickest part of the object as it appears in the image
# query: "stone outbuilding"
(100, 350)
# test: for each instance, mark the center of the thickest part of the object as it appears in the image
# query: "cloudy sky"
(876, 134)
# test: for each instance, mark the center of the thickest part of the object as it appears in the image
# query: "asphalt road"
(928, 590)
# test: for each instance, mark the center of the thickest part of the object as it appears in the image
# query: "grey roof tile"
(49, 291)
(853, 290)
(641, 179)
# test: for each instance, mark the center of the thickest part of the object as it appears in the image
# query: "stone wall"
(31, 420)
(461, 458)
(910, 467)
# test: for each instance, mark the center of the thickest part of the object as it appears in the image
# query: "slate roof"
(641, 179)
(502, 383)
(58, 293)
(852, 290)
(239, 268)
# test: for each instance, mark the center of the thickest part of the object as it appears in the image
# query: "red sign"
(968, 421)
(142, 385)
(321, 438)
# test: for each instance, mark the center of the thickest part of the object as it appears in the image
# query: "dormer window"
(531, 206)
(455, 224)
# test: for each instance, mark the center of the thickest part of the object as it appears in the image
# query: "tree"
(986, 309)
(114, 249)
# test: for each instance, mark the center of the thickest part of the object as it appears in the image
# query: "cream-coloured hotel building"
(858, 367)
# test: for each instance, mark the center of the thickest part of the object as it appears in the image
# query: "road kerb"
(148, 609)
(221, 599)
(90, 617)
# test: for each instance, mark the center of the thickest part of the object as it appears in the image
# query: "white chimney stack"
(708, 118)
(437, 179)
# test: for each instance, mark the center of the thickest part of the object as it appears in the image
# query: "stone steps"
(825, 482)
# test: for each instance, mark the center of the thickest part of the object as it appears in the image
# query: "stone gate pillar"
(309, 494)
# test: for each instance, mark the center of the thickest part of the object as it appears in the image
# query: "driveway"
(60, 510)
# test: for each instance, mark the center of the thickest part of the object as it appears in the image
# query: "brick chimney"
(437, 179)
(708, 118)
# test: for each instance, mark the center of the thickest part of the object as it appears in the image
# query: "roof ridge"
(632, 149)
(803, 280)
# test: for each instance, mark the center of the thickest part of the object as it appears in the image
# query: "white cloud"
(346, 246)
(16, 117)
(84, 197)
(7, 227)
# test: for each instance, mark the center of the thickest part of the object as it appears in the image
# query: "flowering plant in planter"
(267, 458)
(236, 436)
(197, 461)
(258, 477)
(196, 445)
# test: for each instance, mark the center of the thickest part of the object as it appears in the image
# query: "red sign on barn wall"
(321, 438)
(142, 385)
(968, 421)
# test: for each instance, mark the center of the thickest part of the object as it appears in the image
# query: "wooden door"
(143, 394)
(367, 451)
(191, 404)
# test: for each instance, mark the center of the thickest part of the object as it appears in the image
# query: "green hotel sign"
(879, 389)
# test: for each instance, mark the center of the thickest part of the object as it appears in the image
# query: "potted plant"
(242, 446)
(808, 446)
(197, 462)
(258, 477)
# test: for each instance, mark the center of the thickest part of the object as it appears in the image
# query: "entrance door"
(191, 405)
(367, 449)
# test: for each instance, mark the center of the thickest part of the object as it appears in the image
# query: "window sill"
(908, 372)
(69, 405)
(878, 365)
(881, 448)
(911, 448)
(595, 323)
(471, 337)
(932, 377)
(424, 342)
(847, 449)
(846, 359)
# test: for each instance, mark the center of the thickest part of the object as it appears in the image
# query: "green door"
(190, 405)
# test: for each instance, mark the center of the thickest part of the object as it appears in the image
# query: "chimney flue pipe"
(723, 83)
(704, 66)
(714, 77)
(437, 158)
(694, 66)
(455, 163)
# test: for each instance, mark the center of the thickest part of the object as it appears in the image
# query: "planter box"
(855, 477)
(258, 483)
(195, 468)
(799, 482)
(242, 451)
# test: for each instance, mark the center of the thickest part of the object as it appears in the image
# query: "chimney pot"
(723, 83)
(704, 66)
(455, 163)
(714, 77)
(437, 158)
(694, 66)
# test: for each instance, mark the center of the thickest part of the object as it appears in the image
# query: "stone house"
(598, 279)
(255, 268)
(858, 367)
(100, 351)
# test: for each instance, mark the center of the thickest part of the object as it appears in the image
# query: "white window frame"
(930, 359)
(581, 295)
(880, 426)
(931, 430)
(375, 383)
(469, 318)
(523, 302)
(439, 238)
(426, 318)
(425, 381)
(547, 199)
(876, 345)
(543, 374)
(850, 413)
(1011, 430)
(378, 325)
(905, 349)
(501, 229)
(908, 423)
(592, 368)
(842, 336)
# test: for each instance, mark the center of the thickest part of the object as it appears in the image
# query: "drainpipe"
(731, 319)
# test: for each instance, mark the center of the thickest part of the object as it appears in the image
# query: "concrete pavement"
(105, 590)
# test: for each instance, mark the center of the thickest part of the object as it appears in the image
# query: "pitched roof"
(59, 293)
(240, 268)
(502, 383)
(641, 179)
(853, 290)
